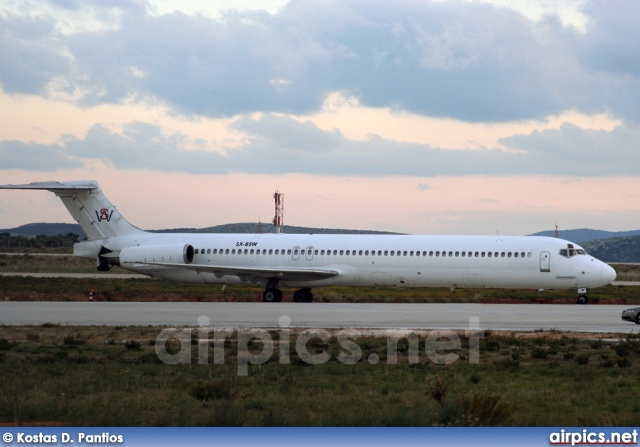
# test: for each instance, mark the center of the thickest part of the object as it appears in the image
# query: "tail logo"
(104, 215)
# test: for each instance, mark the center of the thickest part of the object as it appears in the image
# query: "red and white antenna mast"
(278, 220)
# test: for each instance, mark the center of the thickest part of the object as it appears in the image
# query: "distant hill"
(620, 249)
(252, 227)
(45, 229)
(586, 234)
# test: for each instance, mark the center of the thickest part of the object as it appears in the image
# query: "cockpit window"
(570, 251)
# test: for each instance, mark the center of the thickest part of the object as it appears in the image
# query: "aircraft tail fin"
(89, 207)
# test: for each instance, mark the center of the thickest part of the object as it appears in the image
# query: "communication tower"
(278, 220)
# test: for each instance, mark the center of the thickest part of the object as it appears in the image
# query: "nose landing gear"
(582, 298)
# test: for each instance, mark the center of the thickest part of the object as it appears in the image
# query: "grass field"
(105, 376)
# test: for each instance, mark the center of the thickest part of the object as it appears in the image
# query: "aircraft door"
(295, 253)
(309, 254)
(545, 261)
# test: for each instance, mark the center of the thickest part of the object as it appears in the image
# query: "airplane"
(306, 261)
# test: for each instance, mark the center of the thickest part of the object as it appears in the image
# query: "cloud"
(35, 157)
(144, 146)
(279, 145)
(469, 61)
(29, 57)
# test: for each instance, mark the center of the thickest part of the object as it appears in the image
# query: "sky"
(421, 117)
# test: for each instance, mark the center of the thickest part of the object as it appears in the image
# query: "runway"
(517, 317)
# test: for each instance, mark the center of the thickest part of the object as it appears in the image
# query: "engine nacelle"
(172, 254)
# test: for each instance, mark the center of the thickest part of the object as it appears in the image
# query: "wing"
(282, 273)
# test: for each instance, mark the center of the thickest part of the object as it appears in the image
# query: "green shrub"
(539, 353)
(70, 340)
(582, 359)
(487, 410)
(624, 362)
(133, 345)
(215, 389)
(5, 344)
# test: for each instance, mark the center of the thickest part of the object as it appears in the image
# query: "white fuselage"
(376, 260)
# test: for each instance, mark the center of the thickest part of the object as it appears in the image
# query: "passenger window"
(392, 252)
(502, 254)
(360, 253)
(515, 254)
(509, 254)
(288, 251)
(411, 253)
(444, 253)
(489, 254)
(430, 253)
(250, 252)
(233, 252)
(386, 252)
(522, 255)
(438, 253)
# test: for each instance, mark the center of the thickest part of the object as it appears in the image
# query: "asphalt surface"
(517, 317)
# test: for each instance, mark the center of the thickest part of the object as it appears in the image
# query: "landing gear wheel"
(303, 295)
(638, 319)
(583, 299)
(272, 295)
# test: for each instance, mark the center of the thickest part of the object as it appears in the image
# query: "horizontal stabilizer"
(82, 185)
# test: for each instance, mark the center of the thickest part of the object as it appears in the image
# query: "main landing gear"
(303, 295)
(582, 298)
(272, 294)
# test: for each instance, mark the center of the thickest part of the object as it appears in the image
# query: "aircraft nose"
(608, 274)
